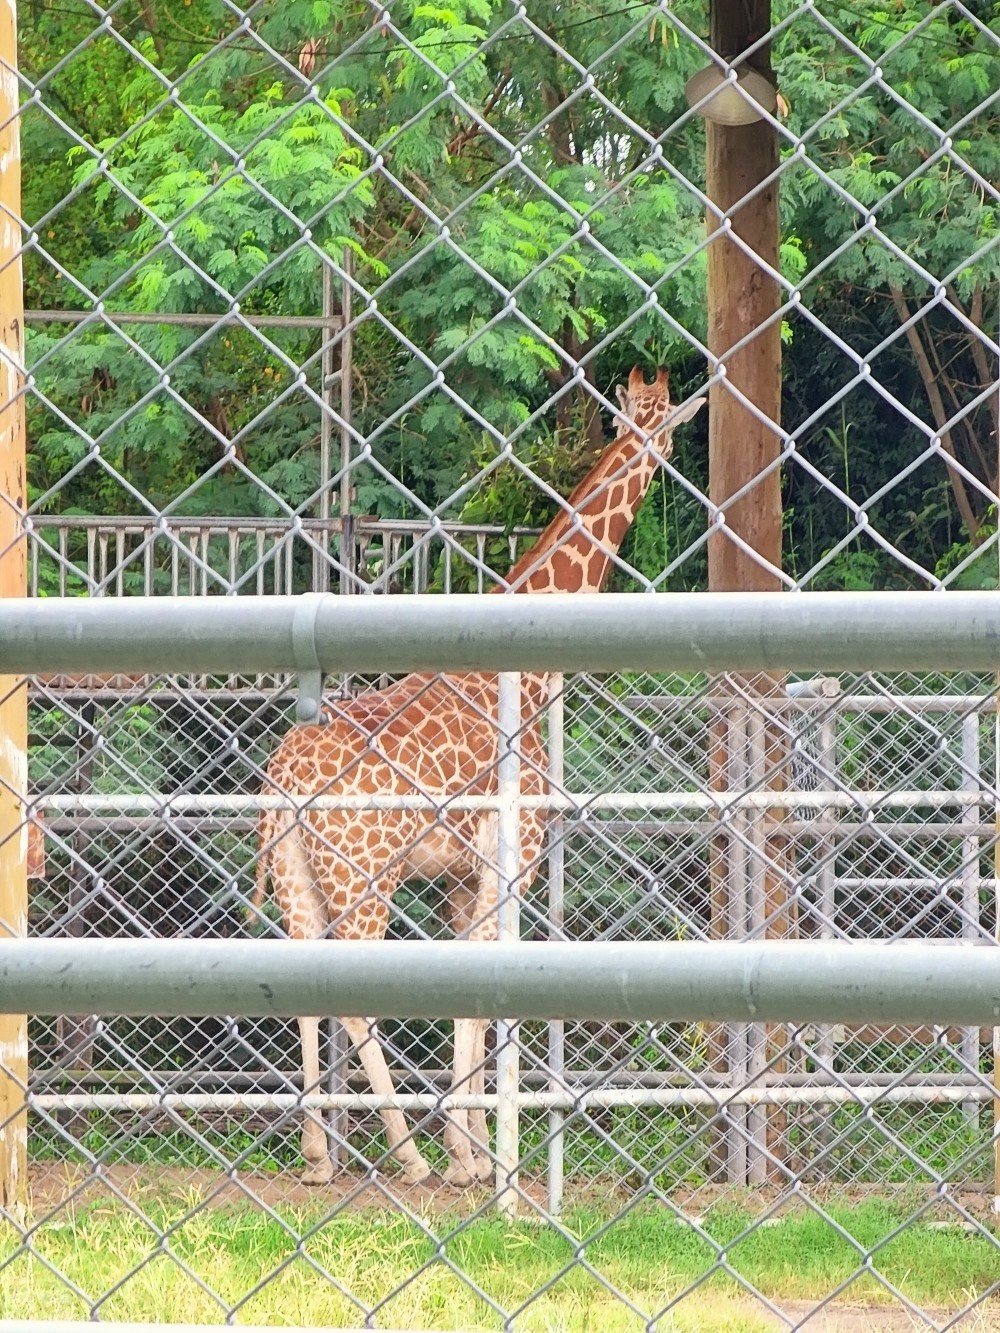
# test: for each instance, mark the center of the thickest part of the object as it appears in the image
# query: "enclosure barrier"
(818, 982)
(291, 269)
(913, 631)
(769, 981)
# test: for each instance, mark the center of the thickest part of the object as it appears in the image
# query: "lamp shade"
(739, 101)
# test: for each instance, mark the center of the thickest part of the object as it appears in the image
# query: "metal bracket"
(309, 704)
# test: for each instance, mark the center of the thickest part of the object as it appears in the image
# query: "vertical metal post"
(77, 1032)
(321, 559)
(826, 896)
(13, 583)
(827, 887)
(557, 885)
(738, 929)
(346, 553)
(756, 875)
(336, 1082)
(336, 1037)
(970, 886)
(508, 929)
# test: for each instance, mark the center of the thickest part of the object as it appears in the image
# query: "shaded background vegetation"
(311, 118)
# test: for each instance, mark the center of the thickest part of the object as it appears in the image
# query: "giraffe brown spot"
(572, 579)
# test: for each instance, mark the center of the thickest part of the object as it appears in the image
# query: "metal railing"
(167, 555)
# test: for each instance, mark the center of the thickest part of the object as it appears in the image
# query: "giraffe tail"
(265, 842)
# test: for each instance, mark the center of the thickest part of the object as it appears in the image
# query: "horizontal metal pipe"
(558, 632)
(149, 525)
(826, 705)
(182, 319)
(852, 829)
(869, 882)
(686, 705)
(186, 803)
(675, 828)
(598, 1099)
(235, 1083)
(767, 981)
(76, 693)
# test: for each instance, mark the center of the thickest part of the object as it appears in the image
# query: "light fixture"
(736, 96)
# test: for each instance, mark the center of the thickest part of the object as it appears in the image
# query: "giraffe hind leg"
(472, 909)
(303, 908)
(364, 899)
(315, 1145)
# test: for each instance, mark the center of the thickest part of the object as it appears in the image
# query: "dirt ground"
(839, 1317)
(52, 1184)
(55, 1186)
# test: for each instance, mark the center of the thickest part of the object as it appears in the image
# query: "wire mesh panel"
(368, 299)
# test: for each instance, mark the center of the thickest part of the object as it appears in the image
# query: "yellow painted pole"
(996, 1031)
(996, 881)
(13, 583)
(996, 896)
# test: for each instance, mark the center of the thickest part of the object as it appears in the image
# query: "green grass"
(275, 1270)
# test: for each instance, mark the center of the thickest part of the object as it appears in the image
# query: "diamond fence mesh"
(336, 297)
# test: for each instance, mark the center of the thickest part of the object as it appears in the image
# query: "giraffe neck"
(574, 552)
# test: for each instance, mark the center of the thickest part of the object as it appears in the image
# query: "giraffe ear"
(678, 415)
(622, 393)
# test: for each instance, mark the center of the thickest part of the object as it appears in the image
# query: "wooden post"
(742, 300)
(13, 583)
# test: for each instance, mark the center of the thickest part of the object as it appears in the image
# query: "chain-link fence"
(336, 297)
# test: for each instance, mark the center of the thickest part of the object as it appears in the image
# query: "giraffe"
(334, 872)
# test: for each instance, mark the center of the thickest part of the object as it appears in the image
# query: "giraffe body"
(334, 871)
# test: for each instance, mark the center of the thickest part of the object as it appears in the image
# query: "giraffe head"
(645, 407)
(574, 551)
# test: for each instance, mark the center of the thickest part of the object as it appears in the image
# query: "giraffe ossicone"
(333, 872)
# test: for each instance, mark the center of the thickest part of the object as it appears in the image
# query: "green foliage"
(230, 187)
(973, 567)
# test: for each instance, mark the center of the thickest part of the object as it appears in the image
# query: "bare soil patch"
(840, 1317)
(54, 1185)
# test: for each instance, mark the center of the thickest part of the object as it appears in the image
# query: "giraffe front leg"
(361, 1031)
(467, 1135)
(315, 1147)
(479, 1131)
(463, 1169)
